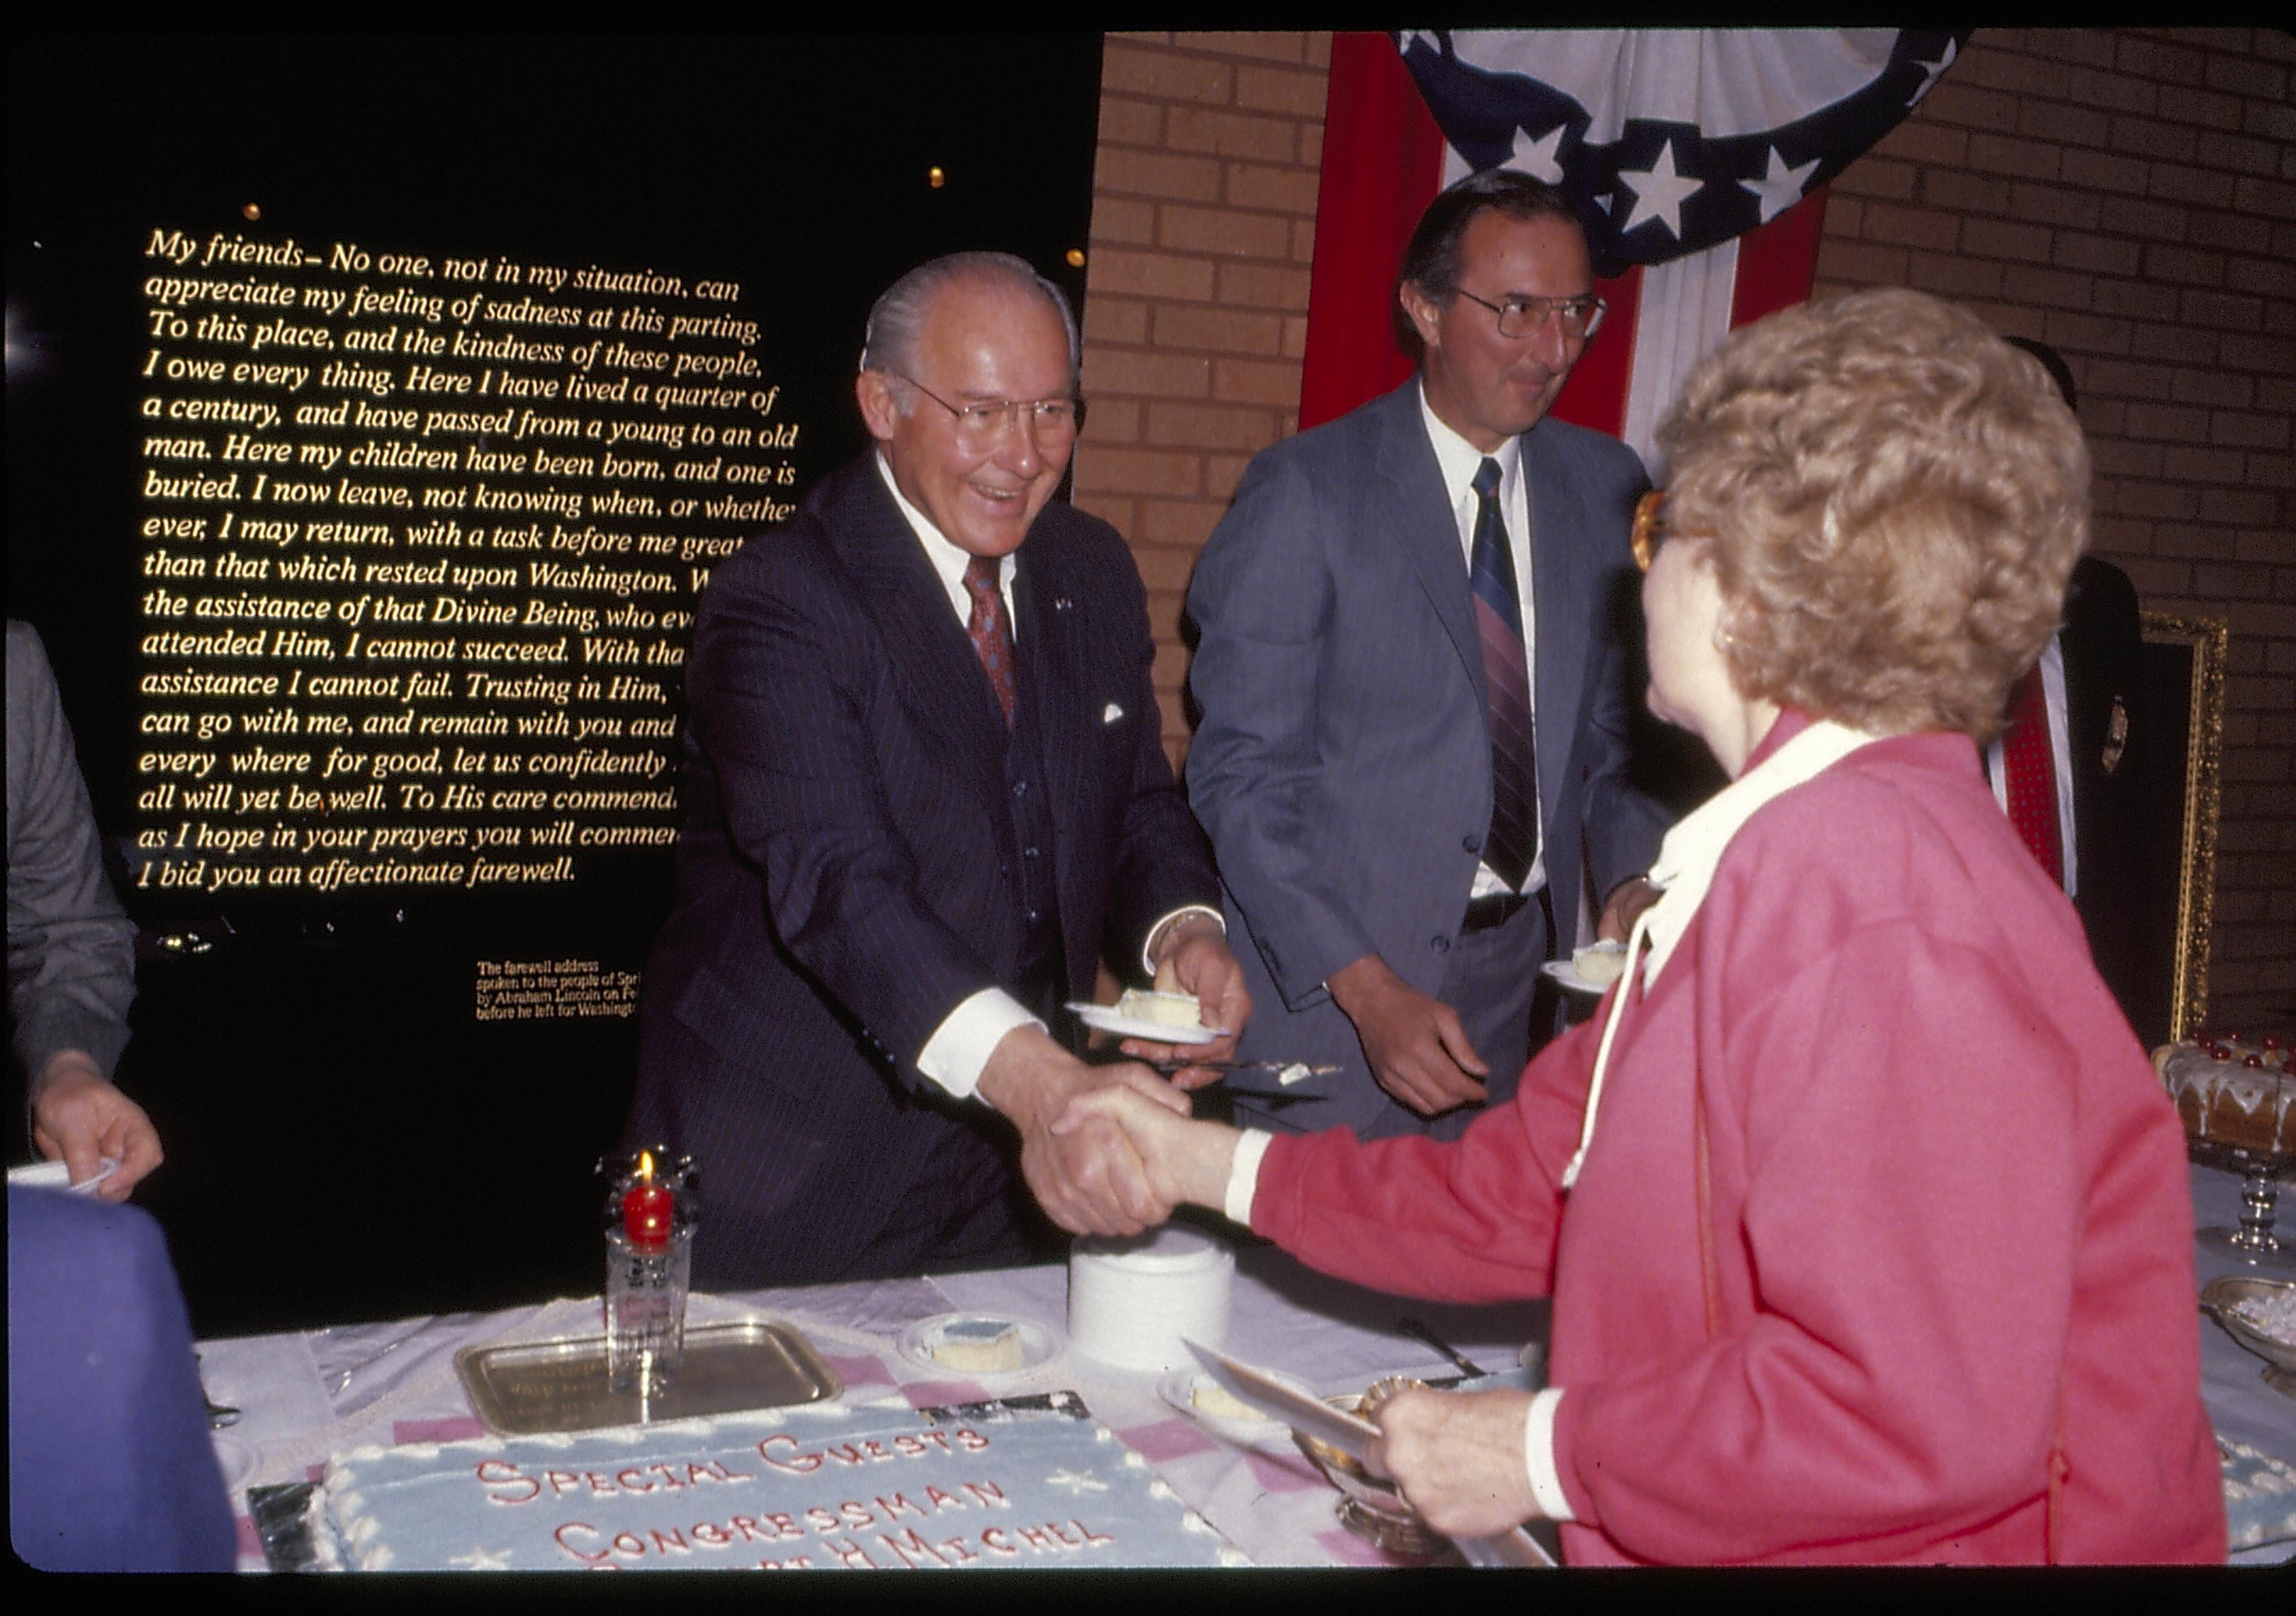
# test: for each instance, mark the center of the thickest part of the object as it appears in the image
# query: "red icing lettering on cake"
(585, 1556)
(913, 1445)
(502, 1472)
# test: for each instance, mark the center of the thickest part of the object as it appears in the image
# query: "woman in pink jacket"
(1866, 1223)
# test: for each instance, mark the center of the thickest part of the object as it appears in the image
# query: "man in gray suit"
(1413, 749)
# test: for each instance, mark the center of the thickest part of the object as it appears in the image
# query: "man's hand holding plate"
(1191, 956)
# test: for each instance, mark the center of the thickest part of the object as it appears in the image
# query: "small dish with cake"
(1212, 1406)
(978, 1344)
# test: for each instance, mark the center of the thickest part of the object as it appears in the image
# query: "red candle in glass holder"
(647, 1209)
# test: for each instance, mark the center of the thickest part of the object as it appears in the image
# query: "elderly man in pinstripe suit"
(925, 796)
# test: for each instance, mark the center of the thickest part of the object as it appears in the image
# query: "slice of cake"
(1160, 1009)
(1601, 963)
(978, 1346)
(1222, 1404)
(2232, 1091)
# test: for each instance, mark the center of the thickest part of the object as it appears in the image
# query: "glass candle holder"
(649, 1224)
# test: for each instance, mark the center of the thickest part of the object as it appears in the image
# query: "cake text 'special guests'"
(1866, 1225)
(925, 795)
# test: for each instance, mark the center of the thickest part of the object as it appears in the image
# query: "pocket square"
(1112, 713)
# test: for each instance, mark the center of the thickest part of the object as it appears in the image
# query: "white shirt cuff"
(1243, 1175)
(961, 1045)
(1148, 949)
(1538, 1455)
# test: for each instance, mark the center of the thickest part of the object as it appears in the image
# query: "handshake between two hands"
(1112, 1150)
(1108, 1150)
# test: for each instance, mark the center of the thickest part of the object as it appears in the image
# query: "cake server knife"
(1277, 1067)
(1350, 1434)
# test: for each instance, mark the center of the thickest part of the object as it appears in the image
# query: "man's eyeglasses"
(1651, 529)
(1520, 318)
(1055, 420)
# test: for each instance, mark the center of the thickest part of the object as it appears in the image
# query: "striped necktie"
(990, 634)
(1513, 839)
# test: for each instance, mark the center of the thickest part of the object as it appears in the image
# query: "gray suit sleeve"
(1262, 599)
(71, 949)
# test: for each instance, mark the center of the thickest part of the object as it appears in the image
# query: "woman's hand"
(1457, 1458)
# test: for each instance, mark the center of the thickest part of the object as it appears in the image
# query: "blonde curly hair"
(1897, 497)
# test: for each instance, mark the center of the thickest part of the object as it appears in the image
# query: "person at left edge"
(72, 947)
(895, 866)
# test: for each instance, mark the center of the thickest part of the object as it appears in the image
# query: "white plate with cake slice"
(1130, 1017)
(978, 1344)
(1590, 970)
(1213, 1405)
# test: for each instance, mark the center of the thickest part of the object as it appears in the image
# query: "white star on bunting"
(1660, 193)
(1934, 69)
(1781, 187)
(1537, 158)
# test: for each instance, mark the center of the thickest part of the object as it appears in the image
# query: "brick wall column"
(1204, 223)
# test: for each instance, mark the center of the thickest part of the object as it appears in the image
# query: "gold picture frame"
(2185, 664)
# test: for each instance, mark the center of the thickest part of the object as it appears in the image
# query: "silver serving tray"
(534, 1387)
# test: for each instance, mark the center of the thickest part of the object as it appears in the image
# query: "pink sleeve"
(1902, 1274)
(1470, 1220)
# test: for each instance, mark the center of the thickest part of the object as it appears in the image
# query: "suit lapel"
(1054, 683)
(933, 665)
(1419, 520)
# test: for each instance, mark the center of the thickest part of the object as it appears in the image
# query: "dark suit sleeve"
(1162, 862)
(1624, 824)
(2102, 646)
(788, 697)
(1262, 598)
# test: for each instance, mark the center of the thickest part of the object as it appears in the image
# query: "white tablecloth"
(304, 1397)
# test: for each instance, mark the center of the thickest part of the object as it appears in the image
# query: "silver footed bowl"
(1370, 1507)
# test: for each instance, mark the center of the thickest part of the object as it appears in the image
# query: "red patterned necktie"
(991, 635)
(1513, 839)
(2031, 774)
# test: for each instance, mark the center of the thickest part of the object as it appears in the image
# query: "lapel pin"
(1061, 603)
(1112, 714)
